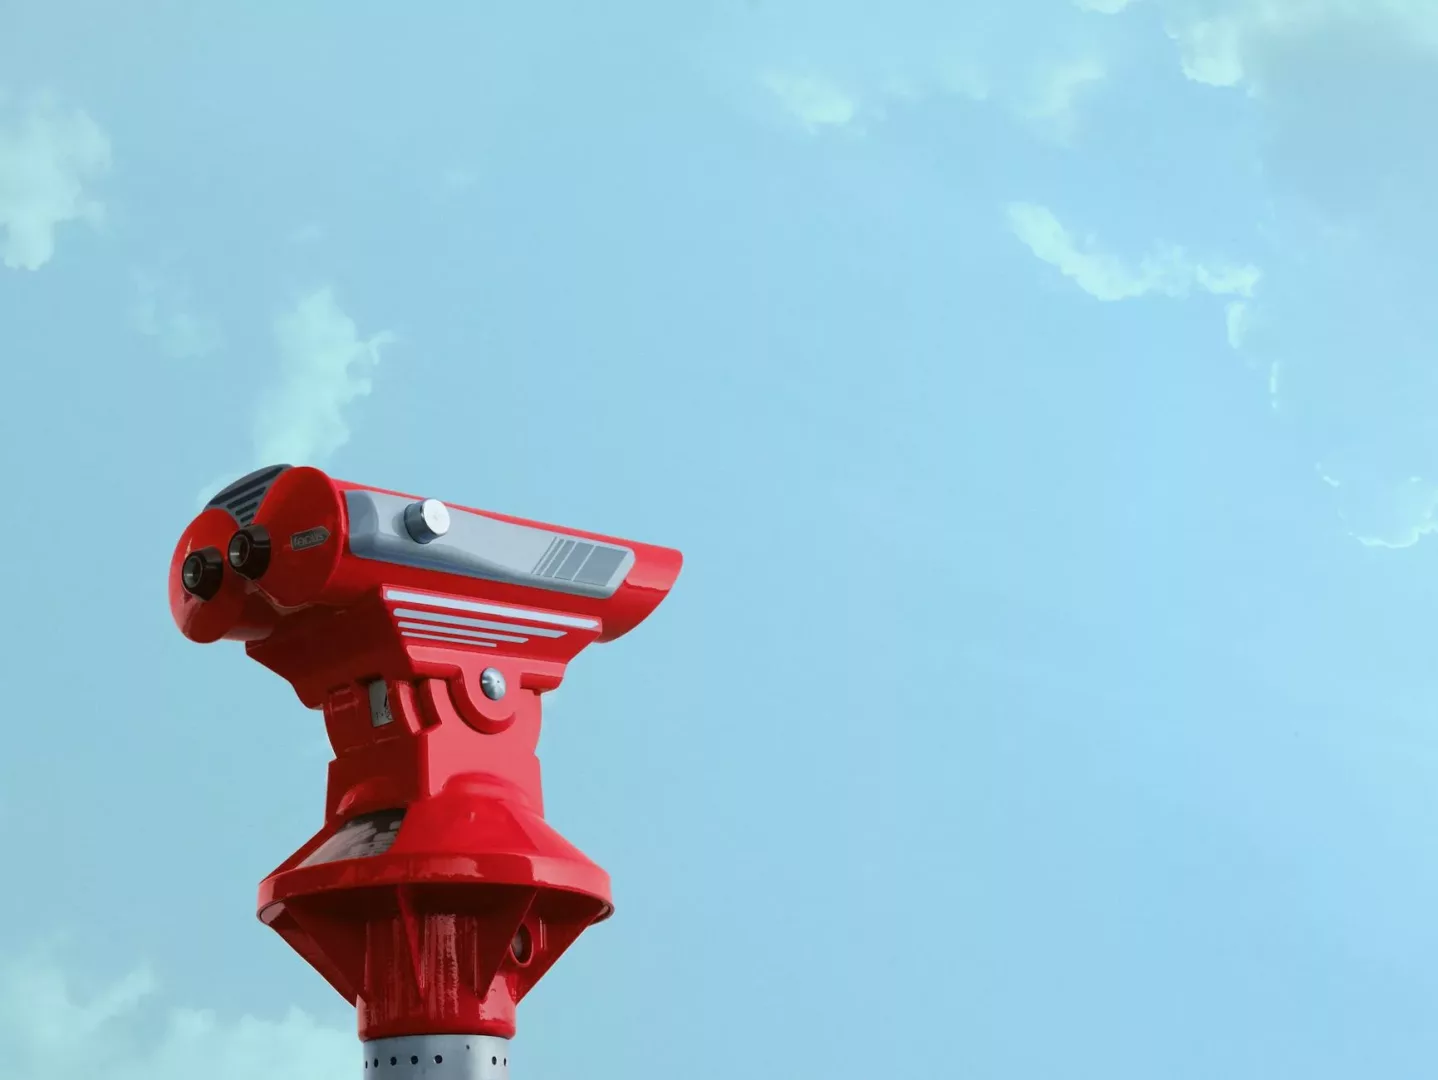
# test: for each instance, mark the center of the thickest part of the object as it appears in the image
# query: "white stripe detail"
(480, 624)
(456, 603)
(459, 631)
(451, 640)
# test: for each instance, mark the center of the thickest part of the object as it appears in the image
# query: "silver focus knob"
(426, 520)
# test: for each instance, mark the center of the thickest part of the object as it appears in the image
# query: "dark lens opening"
(522, 947)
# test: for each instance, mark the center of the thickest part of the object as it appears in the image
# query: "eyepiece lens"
(191, 571)
(249, 551)
(202, 573)
(239, 549)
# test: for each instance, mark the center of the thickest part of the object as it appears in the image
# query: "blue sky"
(1041, 394)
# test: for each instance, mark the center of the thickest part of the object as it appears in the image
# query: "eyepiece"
(249, 551)
(202, 573)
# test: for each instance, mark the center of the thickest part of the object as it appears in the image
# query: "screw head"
(491, 681)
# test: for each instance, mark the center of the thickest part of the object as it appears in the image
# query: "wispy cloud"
(1047, 97)
(163, 311)
(1345, 324)
(1220, 41)
(50, 155)
(326, 364)
(814, 101)
(964, 80)
(1382, 512)
(1052, 103)
(1328, 170)
(50, 1031)
(1169, 271)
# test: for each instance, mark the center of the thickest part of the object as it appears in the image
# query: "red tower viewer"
(435, 895)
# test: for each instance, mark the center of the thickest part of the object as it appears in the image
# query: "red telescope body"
(435, 895)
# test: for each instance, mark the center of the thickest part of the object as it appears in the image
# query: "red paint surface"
(418, 938)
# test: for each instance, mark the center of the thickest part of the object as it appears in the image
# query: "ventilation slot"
(243, 497)
(580, 561)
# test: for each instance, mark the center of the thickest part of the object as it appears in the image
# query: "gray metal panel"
(600, 565)
(481, 547)
(437, 1057)
(379, 710)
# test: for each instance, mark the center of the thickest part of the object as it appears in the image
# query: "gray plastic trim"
(483, 547)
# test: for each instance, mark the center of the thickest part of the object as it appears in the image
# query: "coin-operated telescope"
(435, 895)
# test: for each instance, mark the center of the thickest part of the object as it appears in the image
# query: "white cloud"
(964, 80)
(1219, 39)
(50, 1031)
(325, 365)
(49, 156)
(1335, 92)
(1211, 50)
(1323, 160)
(1167, 272)
(1238, 317)
(815, 102)
(162, 311)
(1052, 104)
(1384, 513)
(847, 67)
(820, 102)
